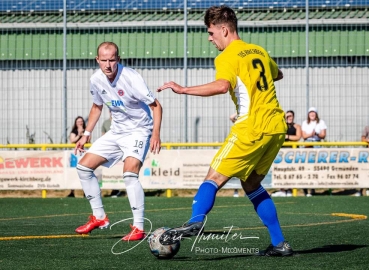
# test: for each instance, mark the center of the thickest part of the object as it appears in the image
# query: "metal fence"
(45, 82)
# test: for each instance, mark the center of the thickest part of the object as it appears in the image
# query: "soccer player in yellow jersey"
(248, 73)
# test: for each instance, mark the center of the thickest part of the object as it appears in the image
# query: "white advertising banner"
(169, 169)
(187, 168)
(321, 168)
(32, 170)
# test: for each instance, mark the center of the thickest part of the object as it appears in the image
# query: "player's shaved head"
(107, 44)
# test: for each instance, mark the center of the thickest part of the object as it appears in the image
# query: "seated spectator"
(313, 129)
(293, 135)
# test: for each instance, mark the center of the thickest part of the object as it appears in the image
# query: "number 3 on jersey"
(257, 64)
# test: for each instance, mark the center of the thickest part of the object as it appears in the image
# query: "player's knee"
(130, 178)
(253, 181)
(84, 172)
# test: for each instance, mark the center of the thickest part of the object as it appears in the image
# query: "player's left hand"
(176, 88)
(155, 144)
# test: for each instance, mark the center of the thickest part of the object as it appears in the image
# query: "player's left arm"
(157, 111)
(217, 87)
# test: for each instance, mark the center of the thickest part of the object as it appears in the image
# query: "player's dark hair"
(75, 128)
(217, 15)
(292, 112)
(107, 44)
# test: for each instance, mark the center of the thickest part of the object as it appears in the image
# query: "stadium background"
(37, 106)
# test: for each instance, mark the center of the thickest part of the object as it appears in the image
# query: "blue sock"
(203, 201)
(265, 208)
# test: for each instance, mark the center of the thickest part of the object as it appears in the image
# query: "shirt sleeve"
(273, 67)
(95, 95)
(142, 92)
(322, 125)
(225, 70)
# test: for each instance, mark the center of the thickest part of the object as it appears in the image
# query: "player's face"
(312, 116)
(79, 122)
(108, 61)
(216, 35)
(289, 117)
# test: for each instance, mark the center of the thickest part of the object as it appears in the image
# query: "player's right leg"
(202, 204)
(103, 152)
(91, 188)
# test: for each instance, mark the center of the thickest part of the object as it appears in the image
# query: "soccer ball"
(162, 251)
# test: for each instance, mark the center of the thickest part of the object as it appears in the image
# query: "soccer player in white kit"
(133, 132)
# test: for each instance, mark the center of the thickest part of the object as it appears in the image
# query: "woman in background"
(75, 135)
(313, 129)
(293, 135)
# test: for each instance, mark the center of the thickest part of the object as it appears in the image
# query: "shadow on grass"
(331, 249)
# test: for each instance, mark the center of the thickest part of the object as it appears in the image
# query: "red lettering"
(9, 164)
(45, 162)
(21, 163)
(35, 162)
(57, 162)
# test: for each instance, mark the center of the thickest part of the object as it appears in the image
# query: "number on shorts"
(139, 144)
(256, 63)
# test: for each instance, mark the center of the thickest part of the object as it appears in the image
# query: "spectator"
(293, 135)
(75, 135)
(313, 129)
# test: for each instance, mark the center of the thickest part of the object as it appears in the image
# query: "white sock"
(136, 197)
(90, 186)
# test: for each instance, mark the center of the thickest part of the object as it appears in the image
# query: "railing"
(46, 146)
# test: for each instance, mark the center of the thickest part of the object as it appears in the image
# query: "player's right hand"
(80, 145)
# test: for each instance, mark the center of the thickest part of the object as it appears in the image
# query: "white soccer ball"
(162, 251)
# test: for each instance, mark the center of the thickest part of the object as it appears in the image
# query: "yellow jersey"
(250, 71)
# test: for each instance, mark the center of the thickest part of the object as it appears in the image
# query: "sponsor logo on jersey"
(117, 104)
(103, 92)
(120, 92)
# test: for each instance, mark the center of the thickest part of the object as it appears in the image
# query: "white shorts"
(115, 147)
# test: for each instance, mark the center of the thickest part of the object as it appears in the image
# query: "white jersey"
(127, 97)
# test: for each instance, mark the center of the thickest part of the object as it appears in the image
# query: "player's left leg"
(136, 197)
(135, 148)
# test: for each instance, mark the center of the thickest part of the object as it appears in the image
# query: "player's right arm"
(93, 117)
